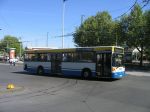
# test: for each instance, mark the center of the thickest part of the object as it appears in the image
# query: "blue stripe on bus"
(70, 69)
(71, 73)
(65, 71)
(75, 72)
(116, 75)
(31, 70)
(34, 70)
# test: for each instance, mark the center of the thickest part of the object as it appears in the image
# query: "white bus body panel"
(33, 66)
(70, 68)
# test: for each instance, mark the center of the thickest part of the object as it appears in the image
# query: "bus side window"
(64, 57)
(42, 57)
(68, 57)
(30, 57)
(38, 56)
(84, 57)
(48, 57)
(77, 57)
(45, 57)
(26, 57)
(33, 58)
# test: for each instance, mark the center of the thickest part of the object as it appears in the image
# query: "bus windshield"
(117, 60)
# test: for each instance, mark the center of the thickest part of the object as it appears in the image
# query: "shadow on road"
(67, 77)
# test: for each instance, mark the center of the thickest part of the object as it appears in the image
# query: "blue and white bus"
(100, 61)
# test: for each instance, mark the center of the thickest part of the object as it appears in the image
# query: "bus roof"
(95, 48)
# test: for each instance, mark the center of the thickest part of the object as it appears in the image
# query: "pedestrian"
(14, 62)
(10, 61)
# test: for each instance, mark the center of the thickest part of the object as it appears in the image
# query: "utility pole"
(7, 46)
(20, 48)
(82, 17)
(116, 39)
(63, 19)
(116, 36)
(47, 40)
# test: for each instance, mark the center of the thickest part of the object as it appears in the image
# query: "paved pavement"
(139, 73)
(62, 94)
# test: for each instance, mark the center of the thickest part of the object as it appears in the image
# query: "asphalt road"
(62, 94)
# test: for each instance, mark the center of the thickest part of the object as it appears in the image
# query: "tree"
(147, 33)
(96, 31)
(123, 29)
(134, 30)
(10, 42)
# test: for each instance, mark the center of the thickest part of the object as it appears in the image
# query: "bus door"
(56, 63)
(103, 64)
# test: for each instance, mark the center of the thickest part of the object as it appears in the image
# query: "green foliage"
(123, 25)
(147, 33)
(147, 52)
(135, 28)
(131, 30)
(96, 31)
(10, 42)
(147, 27)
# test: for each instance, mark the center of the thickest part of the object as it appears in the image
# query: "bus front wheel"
(40, 71)
(86, 74)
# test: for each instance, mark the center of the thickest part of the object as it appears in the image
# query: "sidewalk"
(138, 73)
(136, 70)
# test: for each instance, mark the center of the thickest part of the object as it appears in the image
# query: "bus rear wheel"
(86, 74)
(25, 67)
(40, 71)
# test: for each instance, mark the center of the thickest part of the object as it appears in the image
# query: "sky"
(32, 20)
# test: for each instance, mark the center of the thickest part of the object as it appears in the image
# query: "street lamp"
(47, 39)
(20, 48)
(63, 18)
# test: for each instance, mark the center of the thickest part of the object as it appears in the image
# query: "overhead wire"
(127, 10)
(146, 3)
(70, 34)
(130, 8)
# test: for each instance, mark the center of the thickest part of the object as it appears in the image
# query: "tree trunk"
(141, 57)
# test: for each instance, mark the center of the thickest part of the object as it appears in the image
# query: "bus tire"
(86, 74)
(40, 71)
(25, 67)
